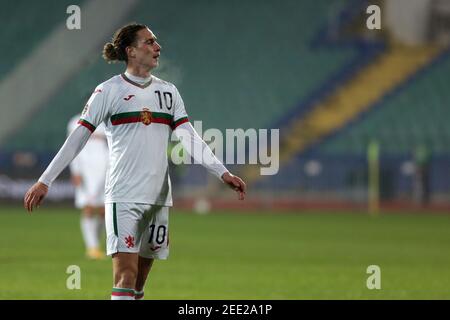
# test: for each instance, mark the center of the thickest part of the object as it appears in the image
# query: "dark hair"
(124, 37)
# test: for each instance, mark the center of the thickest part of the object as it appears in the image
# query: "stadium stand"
(279, 68)
(51, 64)
(415, 115)
(223, 82)
(21, 26)
(410, 118)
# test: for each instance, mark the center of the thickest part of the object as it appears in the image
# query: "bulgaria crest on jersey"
(146, 116)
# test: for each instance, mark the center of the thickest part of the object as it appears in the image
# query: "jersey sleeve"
(75, 165)
(96, 109)
(70, 149)
(180, 115)
(199, 150)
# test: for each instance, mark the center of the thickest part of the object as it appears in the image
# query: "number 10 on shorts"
(157, 236)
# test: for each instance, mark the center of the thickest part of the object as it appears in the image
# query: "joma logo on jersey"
(146, 116)
(129, 97)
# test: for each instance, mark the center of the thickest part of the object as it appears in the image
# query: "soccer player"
(139, 111)
(88, 172)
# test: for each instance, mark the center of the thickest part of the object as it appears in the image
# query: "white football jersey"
(138, 121)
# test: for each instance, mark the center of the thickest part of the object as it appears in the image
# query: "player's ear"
(130, 52)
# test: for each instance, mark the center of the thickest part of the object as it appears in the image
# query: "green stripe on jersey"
(179, 121)
(87, 124)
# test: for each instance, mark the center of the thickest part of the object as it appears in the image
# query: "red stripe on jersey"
(88, 125)
(116, 122)
(179, 122)
(162, 120)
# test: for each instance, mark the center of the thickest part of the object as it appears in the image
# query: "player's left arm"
(190, 140)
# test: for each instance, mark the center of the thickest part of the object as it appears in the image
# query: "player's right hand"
(34, 196)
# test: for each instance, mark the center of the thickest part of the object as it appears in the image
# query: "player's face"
(146, 50)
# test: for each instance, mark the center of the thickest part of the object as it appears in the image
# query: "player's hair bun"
(124, 37)
(110, 53)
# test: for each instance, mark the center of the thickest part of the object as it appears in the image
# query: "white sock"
(88, 229)
(122, 294)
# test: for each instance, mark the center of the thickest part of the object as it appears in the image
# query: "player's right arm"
(95, 112)
(73, 145)
(75, 172)
(75, 165)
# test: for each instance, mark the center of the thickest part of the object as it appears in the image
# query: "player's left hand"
(34, 196)
(235, 183)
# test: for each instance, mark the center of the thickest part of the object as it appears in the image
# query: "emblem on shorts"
(146, 116)
(129, 241)
(155, 248)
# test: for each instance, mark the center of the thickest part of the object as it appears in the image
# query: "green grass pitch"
(225, 255)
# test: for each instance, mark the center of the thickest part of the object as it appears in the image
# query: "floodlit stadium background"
(363, 118)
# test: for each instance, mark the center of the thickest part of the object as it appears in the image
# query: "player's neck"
(138, 71)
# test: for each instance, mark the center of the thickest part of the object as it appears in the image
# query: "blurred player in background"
(139, 111)
(88, 172)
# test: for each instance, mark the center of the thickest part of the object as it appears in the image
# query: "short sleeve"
(96, 109)
(180, 115)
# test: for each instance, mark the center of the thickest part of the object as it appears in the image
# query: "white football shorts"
(137, 228)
